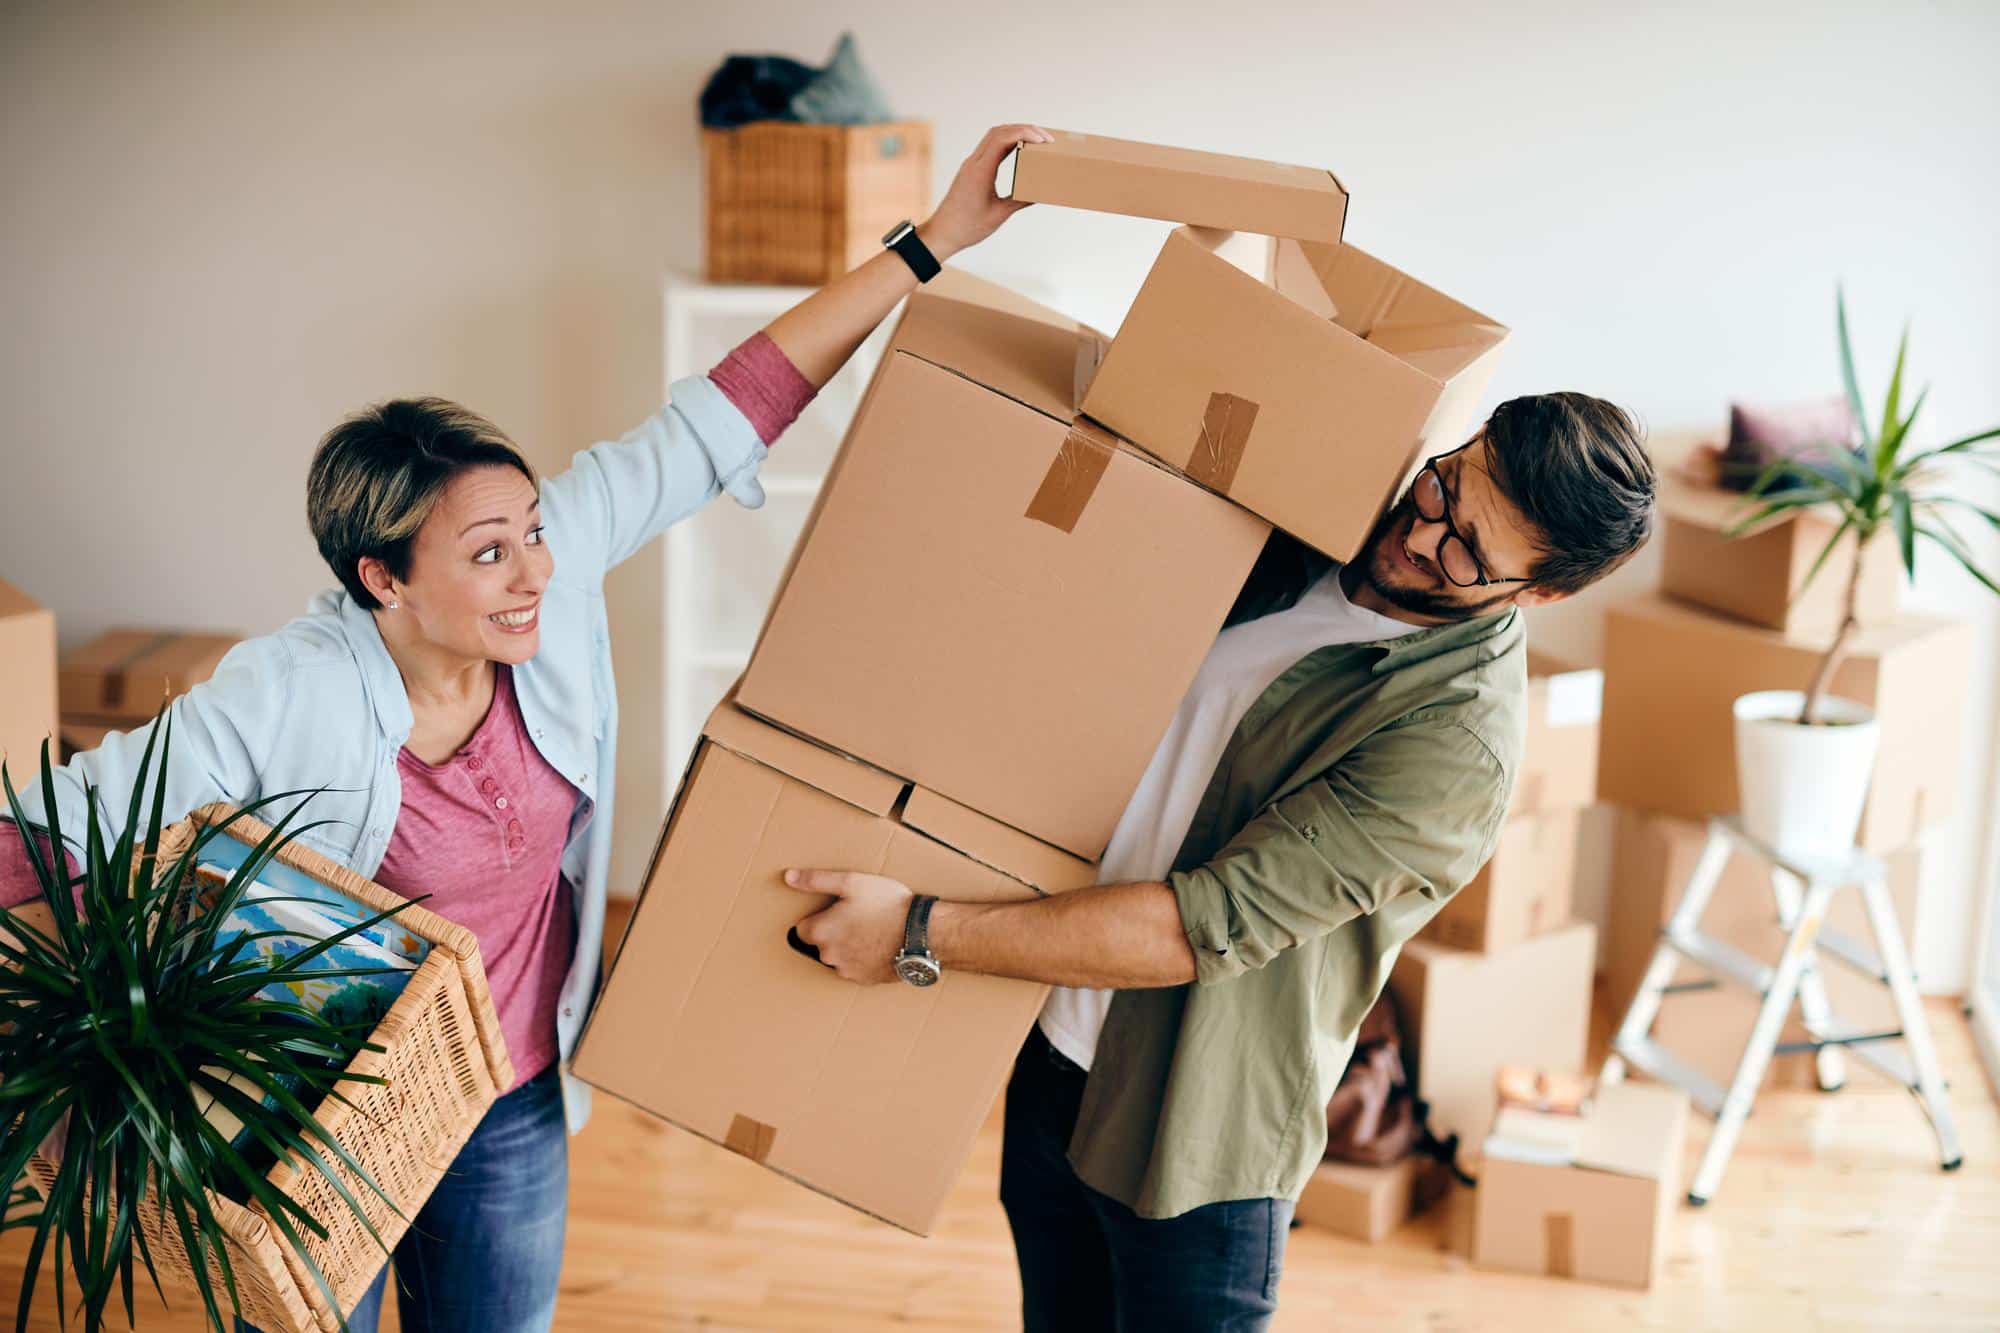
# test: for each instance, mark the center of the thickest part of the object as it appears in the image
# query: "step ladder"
(1803, 890)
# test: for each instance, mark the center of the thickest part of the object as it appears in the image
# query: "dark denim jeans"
(484, 1252)
(1090, 1263)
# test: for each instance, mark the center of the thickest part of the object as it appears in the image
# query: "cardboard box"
(870, 1094)
(993, 598)
(78, 734)
(1179, 185)
(128, 674)
(1559, 758)
(1523, 891)
(1672, 673)
(1588, 1197)
(1308, 396)
(1466, 1014)
(1366, 1203)
(1653, 855)
(27, 683)
(1757, 575)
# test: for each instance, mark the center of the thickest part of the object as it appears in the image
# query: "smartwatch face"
(897, 232)
(918, 971)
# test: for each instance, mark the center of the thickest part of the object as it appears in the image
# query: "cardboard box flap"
(1439, 350)
(1002, 340)
(1178, 185)
(1008, 850)
(850, 780)
(1631, 1129)
(1388, 307)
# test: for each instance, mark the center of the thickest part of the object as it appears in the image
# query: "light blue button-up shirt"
(320, 703)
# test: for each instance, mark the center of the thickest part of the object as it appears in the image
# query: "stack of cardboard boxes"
(1022, 553)
(1729, 618)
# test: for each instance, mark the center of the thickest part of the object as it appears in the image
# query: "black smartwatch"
(903, 239)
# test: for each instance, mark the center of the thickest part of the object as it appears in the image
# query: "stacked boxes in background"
(1009, 578)
(1730, 619)
(122, 678)
(27, 683)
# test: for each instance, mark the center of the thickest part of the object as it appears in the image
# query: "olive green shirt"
(1362, 789)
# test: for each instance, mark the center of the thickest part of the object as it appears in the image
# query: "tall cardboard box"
(1672, 673)
(27, 683)
(1366, 1203)
(870, 1094)
(994, 598)
(1653, 855)
(1759, 575)
(1178, 185)
(1588, 1197)
(1559, 756)
(124, 676)
(1307, 394)
(1525, 889)
(1466, 1014)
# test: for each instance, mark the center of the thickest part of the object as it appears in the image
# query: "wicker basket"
(445, 1063)
(803, 204)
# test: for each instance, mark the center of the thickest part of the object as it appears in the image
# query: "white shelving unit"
(723, 565)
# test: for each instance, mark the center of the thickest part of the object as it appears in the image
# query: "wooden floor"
(1833, 1215)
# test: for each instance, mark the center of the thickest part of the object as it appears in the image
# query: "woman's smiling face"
(478, 567)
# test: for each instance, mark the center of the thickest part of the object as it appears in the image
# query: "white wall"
(223, 230)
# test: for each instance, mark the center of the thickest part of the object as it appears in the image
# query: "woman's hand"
(972, 210)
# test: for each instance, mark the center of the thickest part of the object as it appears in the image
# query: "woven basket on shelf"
(803, 204)
(445, 1063)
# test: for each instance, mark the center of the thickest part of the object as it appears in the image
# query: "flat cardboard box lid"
(1684, 493)
(1178, 185)
(1631, 1129)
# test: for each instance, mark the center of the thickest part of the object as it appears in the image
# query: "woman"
(455, 697)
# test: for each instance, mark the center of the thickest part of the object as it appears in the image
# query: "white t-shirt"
(1241, 665)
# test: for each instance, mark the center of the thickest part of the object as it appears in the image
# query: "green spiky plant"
(1880, 486)
(120, 1021)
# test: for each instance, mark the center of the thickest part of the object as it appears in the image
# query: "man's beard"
(1442, 600)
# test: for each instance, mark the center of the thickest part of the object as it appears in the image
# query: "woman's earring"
(394, 605)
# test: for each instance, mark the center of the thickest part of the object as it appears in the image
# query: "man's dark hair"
(1577, 468)
(377, 475)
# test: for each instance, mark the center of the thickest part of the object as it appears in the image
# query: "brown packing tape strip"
(1225, 432)
(1559, 1234)
(750, 1138)
(114, 675)
(1070, 481)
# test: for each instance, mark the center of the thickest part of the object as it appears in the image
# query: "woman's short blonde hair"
(377, 475)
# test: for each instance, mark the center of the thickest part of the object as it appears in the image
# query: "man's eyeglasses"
(1454, 553)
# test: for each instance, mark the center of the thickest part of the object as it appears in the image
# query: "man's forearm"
(1114, 936)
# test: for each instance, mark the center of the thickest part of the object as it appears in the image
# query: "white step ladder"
(1910, 1061)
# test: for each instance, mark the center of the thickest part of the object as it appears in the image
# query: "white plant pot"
(1803, 787)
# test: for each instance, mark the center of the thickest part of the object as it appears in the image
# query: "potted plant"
(196, 1084)
(1804, 757)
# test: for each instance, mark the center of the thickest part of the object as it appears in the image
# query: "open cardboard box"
(1588, 1196)
(1672, 674)
(993, 598)
(709, 1020)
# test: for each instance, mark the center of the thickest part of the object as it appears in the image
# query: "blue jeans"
(483, 1253)
(1089, 1262)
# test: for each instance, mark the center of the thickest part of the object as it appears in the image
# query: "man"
(1339, 768)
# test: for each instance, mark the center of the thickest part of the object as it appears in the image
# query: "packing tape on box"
(1225, 431)
(750, 1138)
(1071, 479)
(1559, 1236)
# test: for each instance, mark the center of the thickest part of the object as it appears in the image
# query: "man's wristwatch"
(903, 239)
(916, 964)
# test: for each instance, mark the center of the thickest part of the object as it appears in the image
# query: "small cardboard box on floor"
(870, 1094)
(1759, 575)
(123, 676)
(1466, 1014)
(1653, 855)
(1366, 1203)
(994, 598)
(1306, 382)
(1672, 673)
(1587, 1197)
(27, 683)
